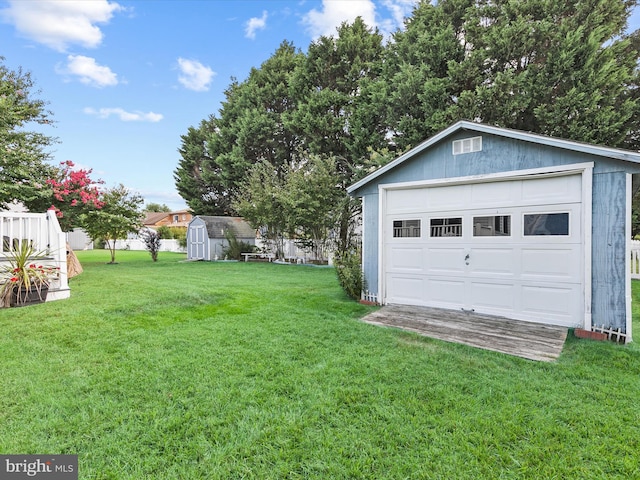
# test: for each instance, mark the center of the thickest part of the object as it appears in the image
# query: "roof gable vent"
(467, 145)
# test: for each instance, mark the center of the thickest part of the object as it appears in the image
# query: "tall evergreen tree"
(329, 87)
(333, 117)
(555, 68)
(253, 124)
(204, 193)
(252, 127)
(415, 89)
(23, 155)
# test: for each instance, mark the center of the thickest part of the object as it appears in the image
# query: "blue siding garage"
(503, 222)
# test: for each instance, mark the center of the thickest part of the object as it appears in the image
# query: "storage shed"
(206, 236)
(503, 222)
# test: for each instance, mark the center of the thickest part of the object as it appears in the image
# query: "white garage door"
(511, 248)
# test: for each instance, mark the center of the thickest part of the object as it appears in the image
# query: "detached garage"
(503, 222)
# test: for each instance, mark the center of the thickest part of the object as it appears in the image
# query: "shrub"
(152, 243)
(236, 248)
(164, 232)
(349, 270)
(180, 234)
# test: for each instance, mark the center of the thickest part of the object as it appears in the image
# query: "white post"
(57, 245)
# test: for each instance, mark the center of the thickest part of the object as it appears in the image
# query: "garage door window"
(546, 224)
(406, 228)
(446, 227)
(492, 226)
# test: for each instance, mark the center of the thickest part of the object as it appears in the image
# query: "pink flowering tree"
(74, 194)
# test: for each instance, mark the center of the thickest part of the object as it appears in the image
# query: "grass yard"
(175, 370)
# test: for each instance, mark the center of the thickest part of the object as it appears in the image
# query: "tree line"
(302, 126)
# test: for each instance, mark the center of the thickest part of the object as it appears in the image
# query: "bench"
(269, 256)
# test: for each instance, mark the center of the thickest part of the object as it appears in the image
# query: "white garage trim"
(583, 169)
(627, 264)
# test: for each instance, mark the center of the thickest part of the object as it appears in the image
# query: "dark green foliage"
(197, 178)
(169, 233)
(23, 167)
(152, 243)
(236, 248)
(349, 271)
(156, 207)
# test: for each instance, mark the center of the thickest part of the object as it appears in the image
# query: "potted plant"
(25, 279)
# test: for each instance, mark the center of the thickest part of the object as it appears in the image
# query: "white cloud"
(400, 9)
(89, 72)
(254, 24)
(123, 115)
(335, 12)
(194, 75)
(60, 23)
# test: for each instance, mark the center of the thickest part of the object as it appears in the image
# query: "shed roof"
(619, 154)
(217, 225)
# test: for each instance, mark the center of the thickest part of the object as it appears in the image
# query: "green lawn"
(175, 370)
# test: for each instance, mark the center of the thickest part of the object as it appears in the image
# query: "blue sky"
(125, 79)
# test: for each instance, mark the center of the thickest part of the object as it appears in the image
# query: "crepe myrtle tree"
(74, 193)
(120, 215)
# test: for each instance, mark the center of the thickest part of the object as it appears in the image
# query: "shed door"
(197, 239)
(511, 248)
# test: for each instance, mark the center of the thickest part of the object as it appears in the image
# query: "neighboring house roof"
(151, 218)
(156, 219)
(217, 226)
(626, 155)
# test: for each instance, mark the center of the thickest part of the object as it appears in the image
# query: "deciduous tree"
(313, 200)
(120, 215)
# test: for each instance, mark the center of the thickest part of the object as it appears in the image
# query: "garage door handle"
(466, 259)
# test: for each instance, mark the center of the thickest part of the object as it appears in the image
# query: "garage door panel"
(406, 258)
(547, 191)
(448, 198)
(550, 300)
(441, 261)
(493, 296)
(492, 261)
(406, 289)
(492, 194)
(442, 292)
(406, 201)
(560, 264)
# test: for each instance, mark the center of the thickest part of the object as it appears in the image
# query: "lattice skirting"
(614, 334)
(368, 296)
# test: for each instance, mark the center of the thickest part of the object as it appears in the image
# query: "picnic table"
(269, 256)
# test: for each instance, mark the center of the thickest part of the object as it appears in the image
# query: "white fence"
(44, 231)
(635, 259)
(166, 245)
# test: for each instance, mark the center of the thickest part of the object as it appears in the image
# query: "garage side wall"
(371, 239)
(609, 250)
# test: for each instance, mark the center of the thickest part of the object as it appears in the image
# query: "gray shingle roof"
(216, 226)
